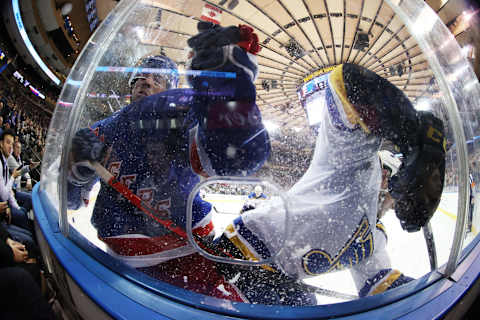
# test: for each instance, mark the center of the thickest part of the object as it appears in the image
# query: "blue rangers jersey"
(160, 146)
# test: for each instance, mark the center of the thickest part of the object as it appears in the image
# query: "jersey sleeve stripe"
(338, 85)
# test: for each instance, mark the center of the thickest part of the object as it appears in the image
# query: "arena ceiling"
(300, 37)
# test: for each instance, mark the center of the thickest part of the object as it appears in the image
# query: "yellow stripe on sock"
(230, 229)
(395, 274)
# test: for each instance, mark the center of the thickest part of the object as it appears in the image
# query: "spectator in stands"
(1, 125)
(18, 214)
(15, 162)
(6, 126)
(15, 253)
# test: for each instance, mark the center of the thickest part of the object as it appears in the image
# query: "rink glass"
(97, 87)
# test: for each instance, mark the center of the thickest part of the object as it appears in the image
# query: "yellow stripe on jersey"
(336, 80)
(233, 237)
(381, 227)
(385, 284)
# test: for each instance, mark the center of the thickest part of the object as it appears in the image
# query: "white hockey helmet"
(258, 190)
(389, 161)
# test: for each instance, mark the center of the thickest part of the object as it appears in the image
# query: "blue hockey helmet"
(158, 66)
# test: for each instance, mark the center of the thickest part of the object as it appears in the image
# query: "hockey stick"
(121, 188)
(432, 252)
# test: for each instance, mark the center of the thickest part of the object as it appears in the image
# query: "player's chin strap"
(121, 188)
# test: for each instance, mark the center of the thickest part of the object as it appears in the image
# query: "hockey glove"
(86, 147)
(230, 132)
(418, 185)
(230, 50)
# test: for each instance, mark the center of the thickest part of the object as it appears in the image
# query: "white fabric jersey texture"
(332, 209)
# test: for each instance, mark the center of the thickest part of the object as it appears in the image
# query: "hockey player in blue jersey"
(160, 145)
(334, 206)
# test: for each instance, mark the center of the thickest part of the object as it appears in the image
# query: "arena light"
(423, 105)
(467, 15)
(28, 43)
(270, 126)
(36, 92)
(425, 21)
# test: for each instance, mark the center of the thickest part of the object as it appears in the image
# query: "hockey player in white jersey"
(333, 207)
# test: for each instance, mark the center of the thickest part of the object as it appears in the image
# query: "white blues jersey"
(332, 208)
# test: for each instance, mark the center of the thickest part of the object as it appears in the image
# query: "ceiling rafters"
(331, 32)
(284, 56)
(316, 29)
(262, 31)
(281, 72)
(276, 74)
(428, 76)
(276, 61)
(276, 91)
(395, 56)
(385, 27)
(385, 73)
(382, 67)
(371, 27)
(281, 28)
(270, 96)
(303, 31)
(374, 55)
(355, 31)
(382, 62)
(344, 22)
(285, 93)
(273, 23)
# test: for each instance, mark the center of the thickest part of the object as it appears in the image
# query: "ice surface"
(408, 251)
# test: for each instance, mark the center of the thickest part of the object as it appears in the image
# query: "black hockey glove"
(86, 147)
(418, 185)
(209, 42)
(230, 50)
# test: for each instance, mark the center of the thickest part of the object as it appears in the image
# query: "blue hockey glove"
(418, 185)
(86, 147)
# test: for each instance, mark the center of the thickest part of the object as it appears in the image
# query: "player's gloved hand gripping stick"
(88, 152)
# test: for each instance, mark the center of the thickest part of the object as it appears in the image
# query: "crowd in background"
(229, 189)
(28, 121)
(451, 172)
(29, 291)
